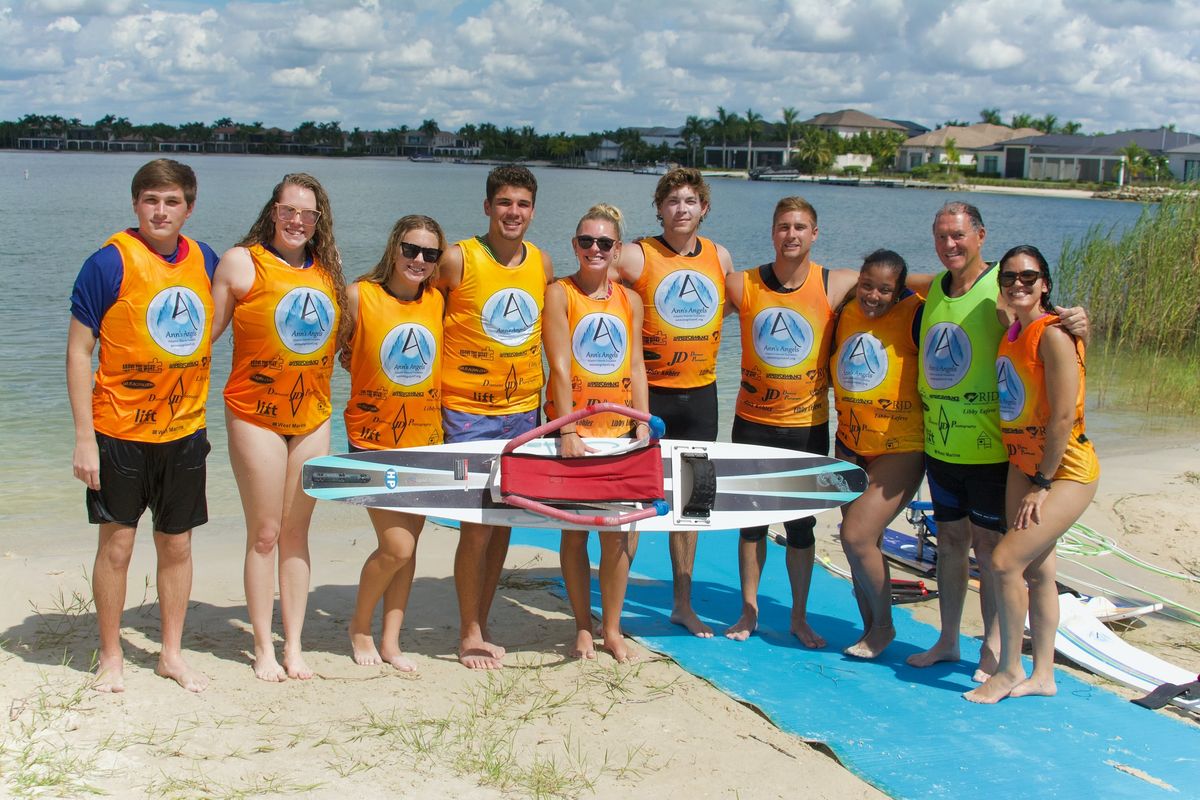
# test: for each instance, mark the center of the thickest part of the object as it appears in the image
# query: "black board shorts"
(975, 491)
(167, 477)
(688, 413)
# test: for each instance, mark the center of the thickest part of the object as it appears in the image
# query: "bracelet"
(640, 424)
(563, 430)
(1041, 481)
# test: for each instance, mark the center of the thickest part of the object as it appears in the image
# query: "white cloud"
(65, 25)
(296, 78)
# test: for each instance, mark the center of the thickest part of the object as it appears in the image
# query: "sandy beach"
(543, 726)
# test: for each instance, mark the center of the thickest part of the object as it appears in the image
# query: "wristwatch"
(1039, 480)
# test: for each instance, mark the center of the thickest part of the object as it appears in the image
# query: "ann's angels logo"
(945, 355)
(304, 320)
(175, 319)
(862, 363)
(407, 354)
(687, 299)
(1012, 389)
(599, 343)
(509, 317)
(782, 337)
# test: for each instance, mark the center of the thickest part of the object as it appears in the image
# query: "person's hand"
(85, 463)
(642, 432)
(1075, 321)
(571, 445)
(1030, 510)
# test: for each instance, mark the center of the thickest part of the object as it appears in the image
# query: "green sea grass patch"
(1142, 293)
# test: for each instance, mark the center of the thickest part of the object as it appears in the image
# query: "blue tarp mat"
(906, 731)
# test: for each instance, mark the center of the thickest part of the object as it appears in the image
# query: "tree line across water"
(812, 149)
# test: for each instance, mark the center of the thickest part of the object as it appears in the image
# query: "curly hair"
(321, 245)
(381, 273)
(681, 176)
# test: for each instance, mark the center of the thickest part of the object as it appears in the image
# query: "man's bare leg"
(616, 555)
(174, 588)
(984, 542)
(799, 568)
(493, 568)
(469, 571)
(752, 555)
(109, 578)
(954, 549)
(683, 560)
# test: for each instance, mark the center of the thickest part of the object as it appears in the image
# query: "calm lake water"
(56, 209)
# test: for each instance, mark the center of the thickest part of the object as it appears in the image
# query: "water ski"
(524, 482)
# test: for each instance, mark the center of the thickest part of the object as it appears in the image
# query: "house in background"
(603, 153)
(1185, 162)
(973, 142)
(654, 137)
(849, 122)
(1059, 157)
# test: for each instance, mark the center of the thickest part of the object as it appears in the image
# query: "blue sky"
(579, 65)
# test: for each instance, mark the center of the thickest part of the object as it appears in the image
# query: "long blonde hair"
(321, 246)
(381, 273)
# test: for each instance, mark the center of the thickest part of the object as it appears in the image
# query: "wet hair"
(381, 273)
(604, 212)
(161, 173)
(953, 208)
(321, 245)
(511, 175)
(1043, 267)
(787, 205)
(678, 177)
(888, 259)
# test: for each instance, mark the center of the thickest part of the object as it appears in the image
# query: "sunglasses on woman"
(430, 254)
(1027, 277)
(603, 242)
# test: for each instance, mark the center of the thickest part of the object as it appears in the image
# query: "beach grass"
(1142, 293)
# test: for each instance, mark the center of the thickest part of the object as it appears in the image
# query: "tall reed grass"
(1142, 294)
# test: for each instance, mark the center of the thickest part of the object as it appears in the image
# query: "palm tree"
(814, 152)
(1134, 163)
(1071, 128)
(692, 134)
(1021, 121)
(1047, 124)
(720, 127)
(752, 125)
(990, 115)
(791, 119)
(952, 154)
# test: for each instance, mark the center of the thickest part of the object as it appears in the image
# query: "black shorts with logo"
(975, 491)
(167, 477)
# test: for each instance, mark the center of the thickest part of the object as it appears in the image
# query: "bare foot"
(873, 643)
(496, 650)
(110, 674)
(939, 652)
(363, 645)
(294, 664)
(1035, 686)
(989, 662)
(266, 668)
(478, 654)
(980, 676)
(747, 624)
(688, 619)
(584, 645)
(807, 636)
(178, 670)
(995, 688)
(391, 655)
(616, 646)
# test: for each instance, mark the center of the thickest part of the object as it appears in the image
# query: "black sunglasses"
(603, 242)
(1027, 277)
(430, 254)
